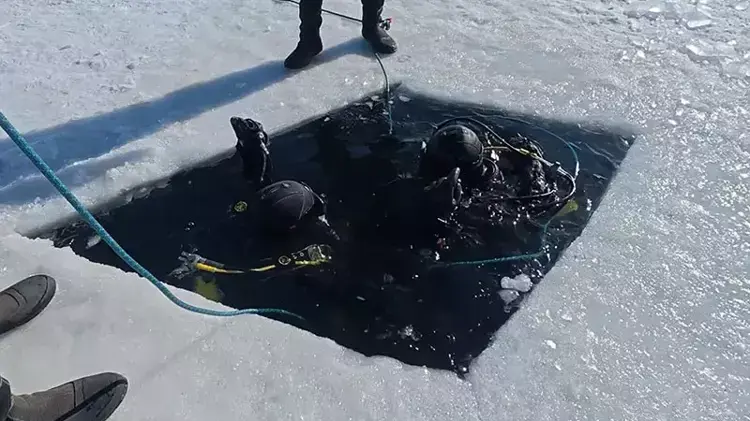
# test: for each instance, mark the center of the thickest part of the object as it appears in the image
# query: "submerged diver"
(293, 217)
(408, 217)
(287, 213)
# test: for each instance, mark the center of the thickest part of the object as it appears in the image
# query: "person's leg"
(5, 399)
(310, 44)
(92, 398)
(24, 300)
(378, 37)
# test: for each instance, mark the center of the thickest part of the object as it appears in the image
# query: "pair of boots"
(92, 398)
(310, 44)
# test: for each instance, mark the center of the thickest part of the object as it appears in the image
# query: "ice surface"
(648, 310)
(183, 366)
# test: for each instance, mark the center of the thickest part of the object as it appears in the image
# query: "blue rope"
(527, 256)
(89, 218)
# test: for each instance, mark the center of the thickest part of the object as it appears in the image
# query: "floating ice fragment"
(741, 6)
(404, 98)
(409, 332)
(567, 317)
(92, 241)
(508, 295)
(520, 283)
(551, 344)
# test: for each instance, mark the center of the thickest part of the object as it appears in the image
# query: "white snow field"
(646, 317)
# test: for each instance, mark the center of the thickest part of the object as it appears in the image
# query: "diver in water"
(289, 213)
(287, 216)
(409, 218)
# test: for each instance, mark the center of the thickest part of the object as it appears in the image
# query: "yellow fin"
(569, 207)
(208, 289)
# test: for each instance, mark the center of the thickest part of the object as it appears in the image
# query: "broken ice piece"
(567, 317)
(654, 10)
(92, 241)
(521, 283)
(404, 98)
(702, 50)
(409, 332)
(741, 6)
(697, 20)
(551, 344)
(508, 296)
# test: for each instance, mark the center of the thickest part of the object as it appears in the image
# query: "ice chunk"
(697, 20)
(739, 69)
(701, 50)
(741, 6)
(655, 9)
(92, 241)
(520, 283)
(551, 344)
(508, 295)
(410, 333)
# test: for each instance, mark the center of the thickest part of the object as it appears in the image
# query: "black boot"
(24, 300)
(310, 44)
(92, 398)
(376, 35)
(5, 399)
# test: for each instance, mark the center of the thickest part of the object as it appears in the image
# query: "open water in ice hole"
(444, 320)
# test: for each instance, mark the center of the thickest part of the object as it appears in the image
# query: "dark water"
(443, 319)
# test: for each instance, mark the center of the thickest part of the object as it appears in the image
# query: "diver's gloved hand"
(252, 145)
(444, 195)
